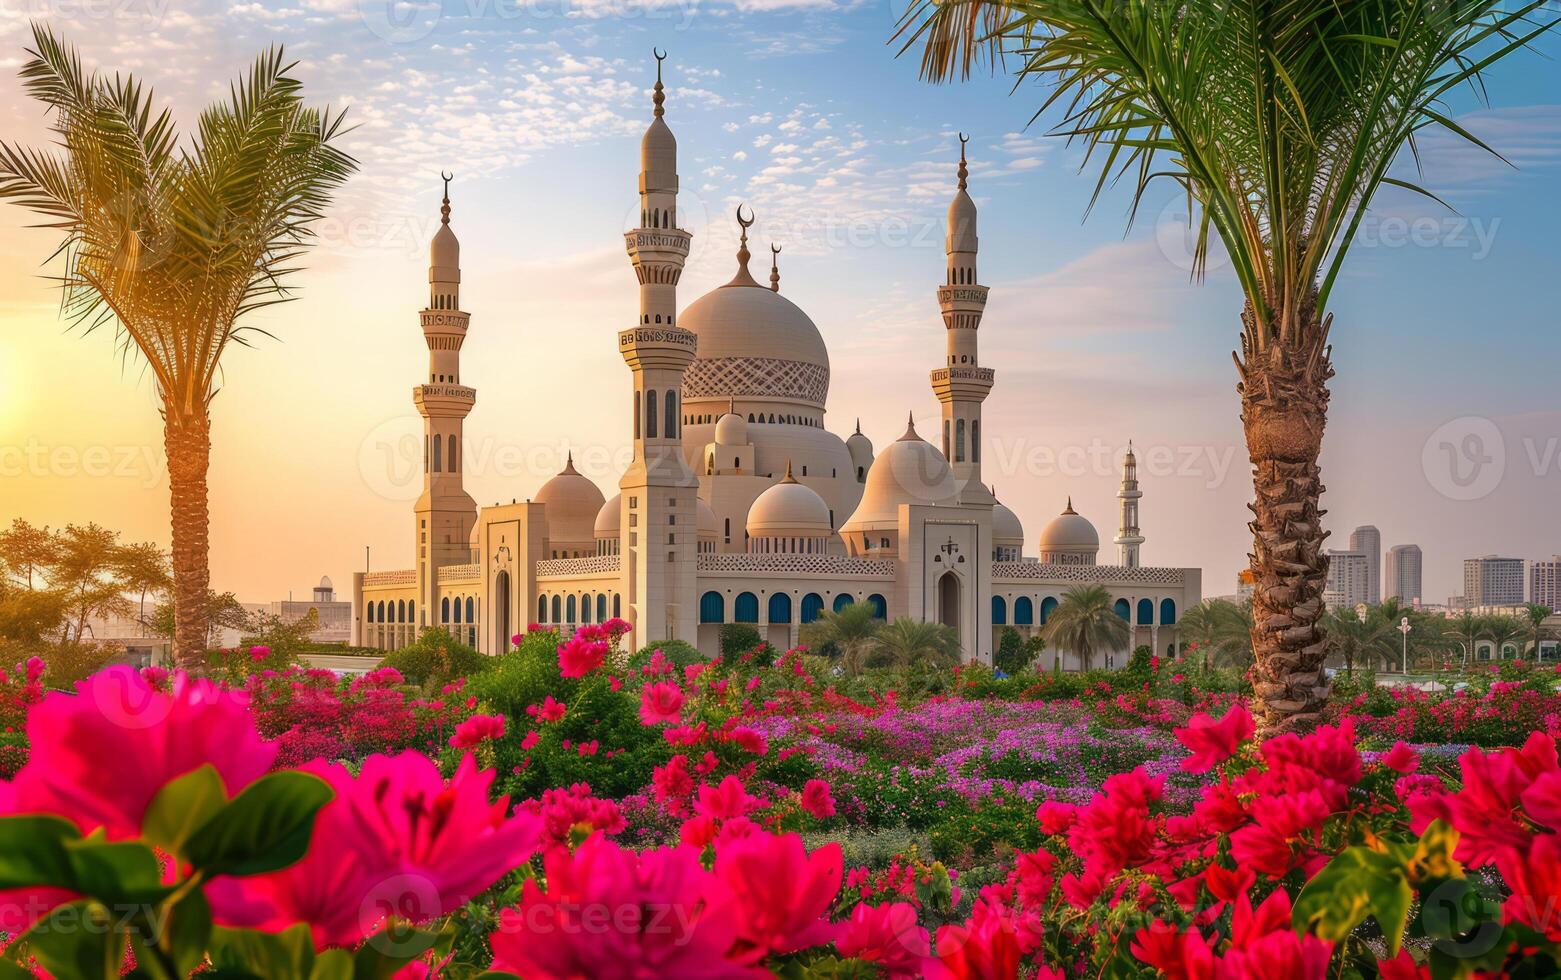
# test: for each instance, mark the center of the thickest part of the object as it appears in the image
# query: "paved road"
(340, 663)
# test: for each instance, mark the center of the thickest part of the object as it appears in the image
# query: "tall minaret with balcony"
(659, 491)
(445, 512)
(1128, 539)
(962, 384)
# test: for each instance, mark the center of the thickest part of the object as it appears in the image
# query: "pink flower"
(258, 654)
(729, 799)
(580, 656)
(749, 740)
(616, 627)
(397, 840)
(570, 814)
(548, 710)
(1401, 759)
(673, 785)
(988, 950)
(816, 799)
(608, 912)
(530, 741)
(660, 702)
(1212, 742)
(888, 936)
(781, 893)
(477, 729)
(153, 738)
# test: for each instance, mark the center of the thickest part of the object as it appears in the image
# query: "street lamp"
(1404, 628)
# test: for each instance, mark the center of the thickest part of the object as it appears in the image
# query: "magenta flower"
(816, 799)
(1212, 742)
(477, 729)
(660, 702)
(722, 802)
(888, 936)
(782, 894)
(580, 656)
(154, 738)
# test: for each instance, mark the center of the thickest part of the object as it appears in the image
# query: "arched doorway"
(948, 601)
(501, 608)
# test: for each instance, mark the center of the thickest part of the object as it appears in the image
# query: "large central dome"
(754, 343)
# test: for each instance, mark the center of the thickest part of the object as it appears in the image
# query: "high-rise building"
(1403, 573)
(1544, 582)
(1493, 581)
(1367, 540)
(1348, 579)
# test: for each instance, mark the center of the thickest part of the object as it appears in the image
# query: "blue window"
(585, 607)
(812, 605)
(1122, 608)
(601, 608)
(1047, 605)
(569, 610)
(1167, 612)
(999, 611)
(843, 600)
(558, 605)
(444, 610)
(1145, 611)
(457, 610)
(617, 605)
(541, 608)
(1024, 611)
(880, 607)
(712, 608)
(746, 608)
(471, 610)
(780, 608)
(369, 612)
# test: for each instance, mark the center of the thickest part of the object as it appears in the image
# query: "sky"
(1445, 425)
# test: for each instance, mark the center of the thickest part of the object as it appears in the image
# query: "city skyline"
(1101, 337)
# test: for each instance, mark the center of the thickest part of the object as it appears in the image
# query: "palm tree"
(1536, 615)
(1468, 628)
(1279, 120)
(173, 245)
(1501, 630)
(1084, 622)
(850, 631)
(912, 643)
(1222, 630)
(1372, 637)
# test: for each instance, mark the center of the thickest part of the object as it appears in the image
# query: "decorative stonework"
(838, 565)
(459, 574)
(1030, 571)
(756, 377)
(578, 567)
(401, 576)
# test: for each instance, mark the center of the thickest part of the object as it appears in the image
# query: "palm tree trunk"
(1284, 406)
(187, 440)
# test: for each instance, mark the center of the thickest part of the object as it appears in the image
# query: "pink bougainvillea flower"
(530, 740)
(396, 840)
(548, 710)
(1401, 758)
(749, 740)
(816, 799)
(988, 950)
(729, 799)
(258, 654)
(660, 702)
(477, 729)
(1055, 817)
(580, 656)
(608, 912)
(154, 737)
(571, 813)
(888, 936)
(782, 894)
(1212, 742)
(673, 785)
(616, 627)
(1178, 955)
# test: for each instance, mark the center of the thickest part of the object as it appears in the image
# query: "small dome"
(731, 429)
(659, 151)
(609, 520)
(325, 583)
(1069, 533)
(1006, 529)
(962, 223)
(909, 471)
(860, 447)
(572, 503)
(788, 509)
(709, 524)
(444, 255)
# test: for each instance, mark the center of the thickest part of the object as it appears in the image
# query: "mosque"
(740, 506)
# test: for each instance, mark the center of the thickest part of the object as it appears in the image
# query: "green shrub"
(738, 639)
(1012, 656)
(679, 653)
(435, 659)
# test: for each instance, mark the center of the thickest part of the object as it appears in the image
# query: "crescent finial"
(748, 222)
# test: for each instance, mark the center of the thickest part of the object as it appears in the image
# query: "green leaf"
(333, 964)
(265, 828)
(1357, 883)
(124, 875)
(188, 931)
(182, 807)
(78, 940)
(250, 952)
(10, 971)
(32, 851)
(388, 950)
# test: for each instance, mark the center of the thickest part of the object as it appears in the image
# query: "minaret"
(962, 384)
(445, 512)
(774, 267)
(1128, 538)
(659, 492)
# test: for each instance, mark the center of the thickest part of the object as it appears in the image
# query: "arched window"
(959, 440)
(451, 463)
(636, 416)
(585, 608)
(780, 607)
(1167, 612)
(880, 607)
(411, 610)
(1024, 611)
(812, 605)
(1145, 611)
(672, 414)
(1122, 608)
(368, 613)
(601, 608)
(999, 611)
(843, 600)
(617, 605)
(458, 609)
(471, 610)
(401, 611)
(712, 608)
(558, 609)
(746, 608)
(650, 414)
(1047, 605)
(541, 608)
(438, 452)
(570, 611)
(975, 441)
(946, 453)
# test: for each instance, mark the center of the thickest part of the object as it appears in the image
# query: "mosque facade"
(740, 505)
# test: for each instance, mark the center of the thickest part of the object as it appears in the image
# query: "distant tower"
(445, 512)
(1368, 540)
(962, 384)
(659, 492)
(1403, 573)
(1128, 537)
